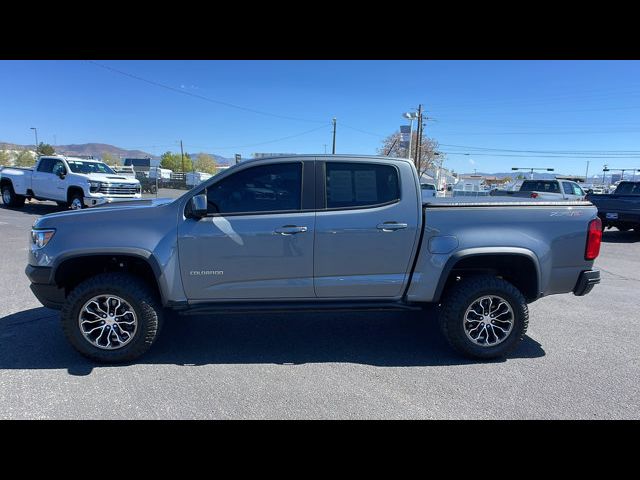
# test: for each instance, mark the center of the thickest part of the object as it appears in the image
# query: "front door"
(257, 240)
(366, 230)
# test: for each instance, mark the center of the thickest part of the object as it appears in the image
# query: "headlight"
(39, 238)
(94, 186)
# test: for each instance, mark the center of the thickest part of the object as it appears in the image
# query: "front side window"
(352, 185)
(568, 188)
(265, 188)
(58, 168)
(577, 190)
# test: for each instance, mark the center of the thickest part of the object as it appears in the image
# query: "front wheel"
(112, 317)
(484, 317)
(77, 202)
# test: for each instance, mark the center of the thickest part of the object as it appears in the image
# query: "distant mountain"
(97, 150)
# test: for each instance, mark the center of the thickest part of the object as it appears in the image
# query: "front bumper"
(43, 287)
(586, 281)
(95, 201)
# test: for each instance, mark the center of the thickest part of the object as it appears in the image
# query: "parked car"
(301, 233)
(72, 182)
(620, 209)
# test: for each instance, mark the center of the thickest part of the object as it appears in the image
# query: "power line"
(269, 141)
(515, 155)
(542, 151)
(201, 97)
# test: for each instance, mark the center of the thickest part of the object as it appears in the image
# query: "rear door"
(366, 228)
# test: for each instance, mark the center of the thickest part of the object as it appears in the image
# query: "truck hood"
(118, 212)
(109, 178)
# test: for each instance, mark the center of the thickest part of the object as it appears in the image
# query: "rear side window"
(265, 188)
(568, 188)
(352, 185)
(46, 165)
(549, 186)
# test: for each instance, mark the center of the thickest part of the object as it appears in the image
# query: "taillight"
(594, 238)
(533, 195)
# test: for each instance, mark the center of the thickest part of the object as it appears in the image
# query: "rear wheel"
(10, 198)
(484, 317)
(112, 317)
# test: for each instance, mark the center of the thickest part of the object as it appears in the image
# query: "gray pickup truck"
(309, 233)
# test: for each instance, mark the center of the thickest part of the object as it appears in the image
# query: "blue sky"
(479, 108)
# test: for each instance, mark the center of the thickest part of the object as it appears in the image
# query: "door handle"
(391, 226)
(290, 230)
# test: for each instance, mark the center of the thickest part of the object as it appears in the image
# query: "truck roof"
(75, 159)
(328, 156)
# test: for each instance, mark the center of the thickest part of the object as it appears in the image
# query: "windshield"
(77, 166)
(628, 188)
(540, 186)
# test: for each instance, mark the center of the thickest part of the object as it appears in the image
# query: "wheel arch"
(72, 190)
(519, 266)
(69, 270)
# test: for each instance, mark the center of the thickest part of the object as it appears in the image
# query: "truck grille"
(119, 189)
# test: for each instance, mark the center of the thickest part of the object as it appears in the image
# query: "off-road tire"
(461, 295)
(133, 290)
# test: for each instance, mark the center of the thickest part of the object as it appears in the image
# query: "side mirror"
(198, 206)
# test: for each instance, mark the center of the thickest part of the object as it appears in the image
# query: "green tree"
(25, 159)
(110, 159)
(173, 161)
(4, 157)
(45, 149)
(205, 163)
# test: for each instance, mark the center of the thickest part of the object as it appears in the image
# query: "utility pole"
(586, 175)
(334, 136)
(36, 132)
(418, 139)
(325, 148)
(182, 153)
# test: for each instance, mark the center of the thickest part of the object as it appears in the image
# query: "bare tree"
(428, 152)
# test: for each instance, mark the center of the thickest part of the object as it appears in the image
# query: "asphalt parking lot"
(580, 359)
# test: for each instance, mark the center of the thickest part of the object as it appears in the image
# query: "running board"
(281, 307)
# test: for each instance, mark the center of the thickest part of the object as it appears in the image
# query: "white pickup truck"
(548, 190)
(72, 182)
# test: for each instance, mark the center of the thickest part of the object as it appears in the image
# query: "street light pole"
(36, 132)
